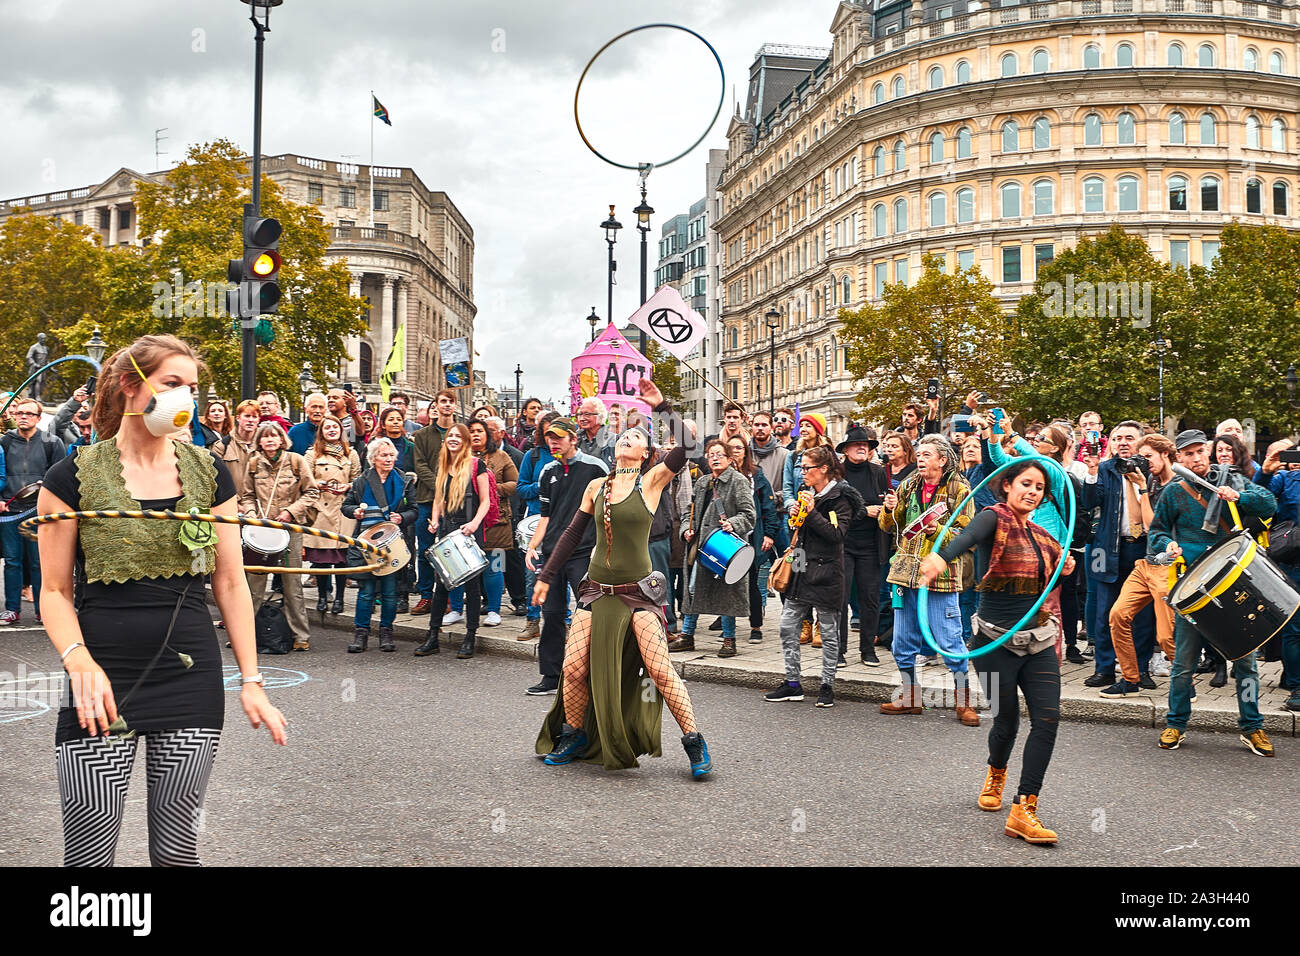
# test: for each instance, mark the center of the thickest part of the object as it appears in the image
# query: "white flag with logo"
(669, 322)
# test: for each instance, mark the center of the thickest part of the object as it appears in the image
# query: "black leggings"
(1038, 676)
(325, 583)
(473, 602)
(864, 569)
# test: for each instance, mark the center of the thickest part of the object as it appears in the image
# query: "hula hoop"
(722, 93)
(19, 517)
(29, 527)
(922, 600)
(45, 368)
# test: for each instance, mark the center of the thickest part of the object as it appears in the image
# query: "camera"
(1137, 463)
(961, 423)
(1289, 457)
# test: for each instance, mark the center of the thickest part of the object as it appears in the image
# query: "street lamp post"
(247, 343)
(1291, 380)
(95, 348)
(611, 227)
(519, 396)
(773, 320)
(594, 320)
(1161, 346)
(643, 214)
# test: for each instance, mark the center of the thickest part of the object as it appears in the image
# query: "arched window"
(1275, 62)
(965, 205)
(1207, 129)
(896, 88)
(847, 293)
(963, 71)
(1250, 59)
(900, 215)
(366, 360)
(1042, 61)
(900, 155)
(1009, 194)
(1205, 56)
(1092, 130)
(1254, 196)
(936, 148)
(1252, 132)
(1091, 57)
(1094, 194)
(877, 94)
(1279, 198)
(878, 220)
(1010, 64)
(935, 77)
(1177, 130)
(1124, 55)
(1126, 191)
(938, 209)
(878, 161)
(1044, 198)
(1125, 132)
(963, 143)
(1010, 136)
(1279, 135)
(1209, 194)
(1042, 133)
(1174, 54)
(1177, 194)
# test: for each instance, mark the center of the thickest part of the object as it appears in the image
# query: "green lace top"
(126, 549)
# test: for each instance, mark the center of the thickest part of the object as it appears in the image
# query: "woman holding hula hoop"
(1021, 558)
(137, 640)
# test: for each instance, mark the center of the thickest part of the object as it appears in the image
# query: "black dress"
(123, 625)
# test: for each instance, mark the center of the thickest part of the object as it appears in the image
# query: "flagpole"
(372, 159)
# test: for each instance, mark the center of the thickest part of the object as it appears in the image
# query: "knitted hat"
(816, 420)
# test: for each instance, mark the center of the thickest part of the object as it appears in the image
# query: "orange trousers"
(1148, 583)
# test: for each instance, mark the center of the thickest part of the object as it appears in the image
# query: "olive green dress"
(624, 709)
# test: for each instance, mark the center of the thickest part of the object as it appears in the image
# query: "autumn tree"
(947, 326)
(176, 283)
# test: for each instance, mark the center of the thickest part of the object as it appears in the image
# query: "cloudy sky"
(481, 98)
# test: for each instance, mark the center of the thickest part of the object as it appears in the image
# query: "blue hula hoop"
(922, 601)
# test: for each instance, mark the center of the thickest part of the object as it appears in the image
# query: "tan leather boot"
(908, 702)
(805, 633)
(817, 635)
(1023, 821)
(991, 795)
(965, 712)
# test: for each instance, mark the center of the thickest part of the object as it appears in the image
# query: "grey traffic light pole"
(247, 343)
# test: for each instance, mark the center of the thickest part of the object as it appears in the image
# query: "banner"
(455, 362)
(669, 322)
(610, 369)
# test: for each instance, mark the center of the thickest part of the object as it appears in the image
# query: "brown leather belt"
(611, 589)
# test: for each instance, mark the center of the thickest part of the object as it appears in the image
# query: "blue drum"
(726, 555)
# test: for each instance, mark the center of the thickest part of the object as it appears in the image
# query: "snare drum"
(1235, 596)
(386, 535)
(457, 558)
(264, 546)
(527, 528)
(927, 520)
(726, 555)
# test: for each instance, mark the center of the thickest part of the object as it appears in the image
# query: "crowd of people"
(854, 536)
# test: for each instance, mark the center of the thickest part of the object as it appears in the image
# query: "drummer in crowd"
(723, 500)
(280, 486)
(1177, 531)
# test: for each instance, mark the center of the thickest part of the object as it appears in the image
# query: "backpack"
(494, 509)
(274, 636)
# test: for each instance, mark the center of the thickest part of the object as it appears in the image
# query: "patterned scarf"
(336, 449)
(1013, 565)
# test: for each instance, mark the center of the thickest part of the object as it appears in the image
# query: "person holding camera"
(1117, 485)
(1147, 584)
(1178, 531)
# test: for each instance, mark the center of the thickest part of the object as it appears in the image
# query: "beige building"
(415, 264)
(995, 138)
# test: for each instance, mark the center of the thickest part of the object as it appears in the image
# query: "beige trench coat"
(328, 513)
(284, 486)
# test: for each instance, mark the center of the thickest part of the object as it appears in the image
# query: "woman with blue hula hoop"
(1012, 628)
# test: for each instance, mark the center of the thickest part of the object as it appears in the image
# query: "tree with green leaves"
(664, 374)
(49, 282)
(946, 326)
(176, 283)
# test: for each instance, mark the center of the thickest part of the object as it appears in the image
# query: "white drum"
(457, 558)
(386, 535)
(525, 531)
(264, 545)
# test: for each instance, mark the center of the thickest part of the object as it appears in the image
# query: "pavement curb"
(1142, 710)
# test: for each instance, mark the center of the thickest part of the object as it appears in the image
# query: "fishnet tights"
(653, 644)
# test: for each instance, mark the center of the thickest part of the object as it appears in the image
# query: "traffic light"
(257, 273)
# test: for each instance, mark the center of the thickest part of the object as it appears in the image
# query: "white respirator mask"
(167, 411)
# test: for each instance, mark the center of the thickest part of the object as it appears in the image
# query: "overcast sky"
(481, 98)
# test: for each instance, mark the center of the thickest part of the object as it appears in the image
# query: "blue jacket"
(1051, 516)
(768, 523)
(1108, 492)
(530, 471)
(1285, 486)
(977, 473)
(301, 437)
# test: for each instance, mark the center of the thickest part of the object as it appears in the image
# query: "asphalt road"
(403, 761)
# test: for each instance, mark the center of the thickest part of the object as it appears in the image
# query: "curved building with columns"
(993, 137)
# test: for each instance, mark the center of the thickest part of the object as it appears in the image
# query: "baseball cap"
(1193, 436)
(562, 427)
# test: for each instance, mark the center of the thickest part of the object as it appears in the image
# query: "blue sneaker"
(697, 752)
(570, 745)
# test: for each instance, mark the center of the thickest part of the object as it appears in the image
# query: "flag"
(396, 363)
(380, 111)
(794, 431)
(669, 322)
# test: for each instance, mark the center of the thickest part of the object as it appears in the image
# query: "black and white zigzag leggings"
(93, 779)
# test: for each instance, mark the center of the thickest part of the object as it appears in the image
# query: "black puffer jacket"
(819, 565)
